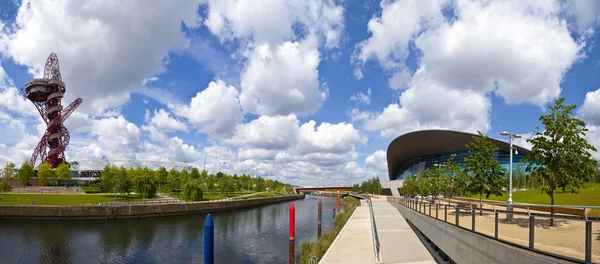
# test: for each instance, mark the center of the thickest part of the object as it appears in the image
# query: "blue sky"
(307, 90)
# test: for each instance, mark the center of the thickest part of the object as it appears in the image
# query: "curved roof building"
(415, 151)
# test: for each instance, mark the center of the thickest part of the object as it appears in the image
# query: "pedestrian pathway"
(354, 244)
(397, 241)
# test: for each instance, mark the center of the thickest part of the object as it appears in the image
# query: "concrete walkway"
(397, 241)
(354, 243)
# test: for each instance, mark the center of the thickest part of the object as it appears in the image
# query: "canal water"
(253, 235)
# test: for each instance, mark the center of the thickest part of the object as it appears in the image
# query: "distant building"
(415, 151)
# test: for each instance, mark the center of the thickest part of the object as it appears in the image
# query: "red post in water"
(292, 221)
(338, 207)
(292, 234)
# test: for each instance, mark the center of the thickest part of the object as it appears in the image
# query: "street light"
(510, 201)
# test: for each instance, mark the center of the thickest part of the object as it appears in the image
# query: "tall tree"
(560, 155)
(174, 181)
(454, 177)
(195, 174)
(9, 171)
(161, 175)
(25, 173)
(63, 172)
(45, 174)
(486, 176)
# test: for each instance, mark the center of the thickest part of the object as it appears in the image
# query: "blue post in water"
(209, 239)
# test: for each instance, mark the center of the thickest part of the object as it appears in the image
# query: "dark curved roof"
(429, 142)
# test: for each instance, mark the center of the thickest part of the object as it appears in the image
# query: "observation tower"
(46, 94)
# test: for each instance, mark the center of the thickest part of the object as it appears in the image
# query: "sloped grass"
(587, 196)
(319, 247)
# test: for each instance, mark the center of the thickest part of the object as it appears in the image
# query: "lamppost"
(509, 206)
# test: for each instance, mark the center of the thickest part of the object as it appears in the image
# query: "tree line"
(23, 175)
(190, 183)
(560, 158)
(372, 186)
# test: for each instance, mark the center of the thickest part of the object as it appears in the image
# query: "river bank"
(133, 211)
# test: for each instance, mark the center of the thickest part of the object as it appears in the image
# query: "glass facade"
(416, 164)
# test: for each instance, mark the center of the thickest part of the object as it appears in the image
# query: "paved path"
(398, 242)
(354, 244)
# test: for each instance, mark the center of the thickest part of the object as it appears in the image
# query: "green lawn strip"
(62, 199)
(319, 247)
(207, 196)
(589, 196)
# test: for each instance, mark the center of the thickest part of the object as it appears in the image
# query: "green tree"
(174, 181)
(192, 190)
(9, 172)
(45, 174)
(161, 176)
(486, 176)
(453, 177)
(25, 173)
(107, 180)
(560, 155)
(195, 174)
(63, 172)
(145, 187)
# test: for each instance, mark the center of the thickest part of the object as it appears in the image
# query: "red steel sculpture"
(46, 94)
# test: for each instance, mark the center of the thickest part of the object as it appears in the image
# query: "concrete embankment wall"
(115, 212)
(463, 246)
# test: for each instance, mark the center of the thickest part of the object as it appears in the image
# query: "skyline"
(305, 90)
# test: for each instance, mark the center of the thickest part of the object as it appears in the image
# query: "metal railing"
(570, 234)
(374, 228)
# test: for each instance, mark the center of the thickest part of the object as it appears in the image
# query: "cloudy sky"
(303, 91)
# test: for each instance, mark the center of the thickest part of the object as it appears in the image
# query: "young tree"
(25, 173)
(145, 187)
(63, 172)
(560, 155)
(485, 173)
(192, 190)
(454, 177)
(10, 172)
(45, 174)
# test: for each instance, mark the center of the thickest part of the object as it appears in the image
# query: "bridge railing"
(571, 234)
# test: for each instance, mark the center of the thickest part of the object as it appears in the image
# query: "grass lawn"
(588, 196)
(209, 196)
(62, 199)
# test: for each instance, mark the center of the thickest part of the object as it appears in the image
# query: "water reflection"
(253, 235)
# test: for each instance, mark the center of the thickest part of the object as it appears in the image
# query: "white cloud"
(282, 80)
(390, 36)
(590, 109)
(518, 50)
(118, 136)
(11, 99)
(214, 111)
(274, 133)
(328, 138)
(377, 160)
(105, 51)
(164, 122)
(362, 97)
(584, 15)
(427, 105)
(229, 19)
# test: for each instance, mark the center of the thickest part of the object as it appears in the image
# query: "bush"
(5, 187)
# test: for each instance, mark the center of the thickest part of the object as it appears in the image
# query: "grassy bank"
(207, 196)
(319, 247)
(586, 196)
(62, 199)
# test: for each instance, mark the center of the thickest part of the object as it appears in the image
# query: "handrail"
(374, 228)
